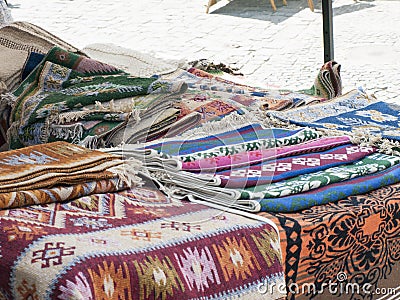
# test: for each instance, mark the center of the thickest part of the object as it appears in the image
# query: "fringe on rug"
(128, 171)
(71, 116)
(230, 122)
(73, 132)
(7, 99)
(92, 142)
(357, 136)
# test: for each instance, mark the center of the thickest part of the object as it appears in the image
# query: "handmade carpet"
(60, 171)
(17, 41)
(379, 119)
(136, 244)
(354, 240)
(242, 134)
(284, 168)
(289, 138)
(50, 103)
(258, 156)
(131, 61)
(265, 99)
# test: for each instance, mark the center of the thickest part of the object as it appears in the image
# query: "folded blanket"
(60, 171)
(371, 164)
(232, 136)
(206, 187)
(247, 158)
(284, 168)
(133, 62)
(331, 193)
(60, 95)
(296, 137)
(60, 193)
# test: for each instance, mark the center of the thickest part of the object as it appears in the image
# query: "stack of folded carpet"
(60, 171)
(259, 169)
(67, 96)
(23, 44)
(72, 98)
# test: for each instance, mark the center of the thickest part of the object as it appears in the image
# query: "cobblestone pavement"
(275, 49)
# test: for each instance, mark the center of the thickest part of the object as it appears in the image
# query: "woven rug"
(133, 62)
(350, 101)
(354, 240)
(141, 244)
(284, 168)
(60, 171)
(17, 41)
(256, 97)
(182, 146)
(379, 119)
(60, 95)
(248, 158)
(293, 138)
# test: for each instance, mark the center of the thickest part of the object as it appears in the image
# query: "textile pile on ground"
(192, 168)
(60, 171)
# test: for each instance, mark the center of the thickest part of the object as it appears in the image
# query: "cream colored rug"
(132, 61)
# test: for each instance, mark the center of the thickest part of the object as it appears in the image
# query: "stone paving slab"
(275, 49)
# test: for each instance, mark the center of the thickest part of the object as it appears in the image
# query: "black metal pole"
(327, 17)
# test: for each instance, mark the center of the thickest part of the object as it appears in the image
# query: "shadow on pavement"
(261, 9)
(349, 8)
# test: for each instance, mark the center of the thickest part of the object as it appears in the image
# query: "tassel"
(127, 172)
(230, 122)
(91, 142)
(7, 99)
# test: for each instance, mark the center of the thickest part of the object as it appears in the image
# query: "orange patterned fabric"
(55, 172)
(41, 162)
(354, 240)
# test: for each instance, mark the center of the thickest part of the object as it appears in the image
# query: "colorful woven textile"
(257, 156)
(284, 168)
(354, 240)
(293, 194)
(369, 165)
(350, 101)
(251, 96)
(60, 171)
(379, 118)
(41, 160)
(34, 59)
(136, 244)
(328, 83)
(17, 41)
(60, 193)
(52, 106)
(296, 137)
(233, 136)
(331, 193)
